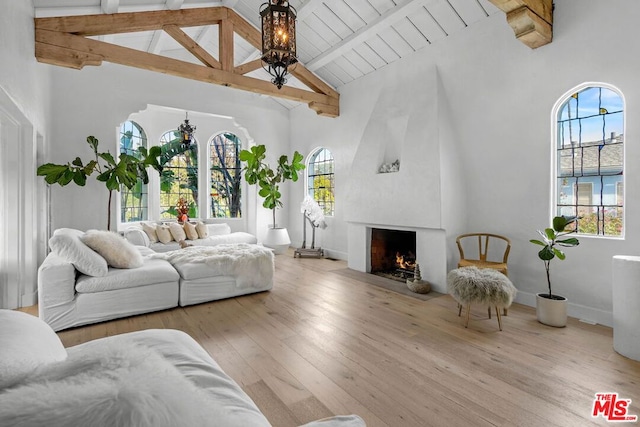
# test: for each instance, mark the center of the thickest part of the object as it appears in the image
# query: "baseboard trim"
(581, 312)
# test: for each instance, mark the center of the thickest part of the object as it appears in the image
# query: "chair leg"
(459, 309)
(505, 311)
(489, 311)
(499, 318)
(466, 323)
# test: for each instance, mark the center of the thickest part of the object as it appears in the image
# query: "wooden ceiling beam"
(194, 48)
(531, 20)
(79, 48)
(95, 25)
(61, 41)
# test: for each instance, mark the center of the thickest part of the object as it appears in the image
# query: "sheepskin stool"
(473, 285)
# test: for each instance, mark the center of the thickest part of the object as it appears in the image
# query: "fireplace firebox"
(393, 253)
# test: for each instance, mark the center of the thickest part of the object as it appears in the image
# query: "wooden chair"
(479, 259)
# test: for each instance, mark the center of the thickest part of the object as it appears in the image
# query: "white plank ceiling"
(339, 40)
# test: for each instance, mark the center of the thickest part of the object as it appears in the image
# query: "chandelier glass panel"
(278, 39)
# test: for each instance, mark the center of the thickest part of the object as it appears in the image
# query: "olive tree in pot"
(256, 171)
(552, 309)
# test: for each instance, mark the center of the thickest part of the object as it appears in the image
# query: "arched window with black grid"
(225, 176)
(321, 180)
(134, 202)
(589, 159)
(179, 177)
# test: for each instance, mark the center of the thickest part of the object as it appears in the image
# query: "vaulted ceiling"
(338, 40)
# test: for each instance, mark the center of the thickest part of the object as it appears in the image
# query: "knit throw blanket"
(251, 265)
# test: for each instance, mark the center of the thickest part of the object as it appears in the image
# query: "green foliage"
(256, 171)
(554, 237)
(588, 223)
(124, 172)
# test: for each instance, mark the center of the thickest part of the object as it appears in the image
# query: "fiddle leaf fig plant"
(256, 171)
(552, 238)
(126, 171)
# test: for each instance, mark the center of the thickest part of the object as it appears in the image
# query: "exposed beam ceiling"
(531, 20)
(63, 41)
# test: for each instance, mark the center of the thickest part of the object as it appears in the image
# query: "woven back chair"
(479, 258)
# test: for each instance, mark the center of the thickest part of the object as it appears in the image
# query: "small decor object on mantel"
(418, 285)
(390, 167)
(183, 210)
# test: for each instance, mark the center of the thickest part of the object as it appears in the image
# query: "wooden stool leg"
(459, 309)
(499, 318)
(466, 323)
(505, 311)
(489, 311)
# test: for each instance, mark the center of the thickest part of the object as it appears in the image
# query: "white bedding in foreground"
(251, 265)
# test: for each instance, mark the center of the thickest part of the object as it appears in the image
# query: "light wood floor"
(321, 343)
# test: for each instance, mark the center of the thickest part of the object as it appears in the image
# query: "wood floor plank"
(323, 343)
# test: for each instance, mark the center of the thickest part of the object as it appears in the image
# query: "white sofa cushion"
(190, 231)
(137, 237)
(202, 230)
(151, 272)
(26, 343)
(67, 243)
(218, 229)
(177, 232)
(108, 385)
(114, 248)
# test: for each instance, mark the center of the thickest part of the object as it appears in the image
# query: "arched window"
(224, 155)
(179, 178)
(134, 203)
(320, 179)
(590, 159)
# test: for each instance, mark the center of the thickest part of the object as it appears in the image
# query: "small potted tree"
(551, 309)
(256, 171)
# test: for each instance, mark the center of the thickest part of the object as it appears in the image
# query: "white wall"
(95, 100)
(495, 108)
(24, 110)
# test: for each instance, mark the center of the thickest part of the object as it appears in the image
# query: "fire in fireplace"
(393, 253)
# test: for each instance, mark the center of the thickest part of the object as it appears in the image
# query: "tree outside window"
(225, 190)
(133, 202)
(320, 180)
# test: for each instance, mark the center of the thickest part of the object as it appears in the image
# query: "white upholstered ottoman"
(473, 285)
(209, 273)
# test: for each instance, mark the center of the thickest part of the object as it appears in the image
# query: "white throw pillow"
(26, 342)
(150, 229)
(177, 231)
(190, 231)
(164, 234)
(118, 252)
(203, 231)
(67, 243)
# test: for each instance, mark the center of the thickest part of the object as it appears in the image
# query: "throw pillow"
(118, 252)
(164, 235)
(27, 342)
(203, 231)
(177, 231)
(67, 244)
(150, 229)
(190, 231)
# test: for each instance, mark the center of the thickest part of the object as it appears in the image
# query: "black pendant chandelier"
(278, 39)
(186, 131)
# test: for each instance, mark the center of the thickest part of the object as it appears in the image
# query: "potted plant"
(126, 171)
(551, 309)
(256, 171)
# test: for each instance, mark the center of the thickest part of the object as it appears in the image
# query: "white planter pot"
(552, 312)
(277, 239)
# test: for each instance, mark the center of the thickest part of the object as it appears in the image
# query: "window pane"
(225, 190)
(320, 173)
(590, 158)
(134, 201)
(179, 176)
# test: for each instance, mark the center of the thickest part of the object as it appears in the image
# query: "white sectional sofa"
(159, 378)
(78, 286)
